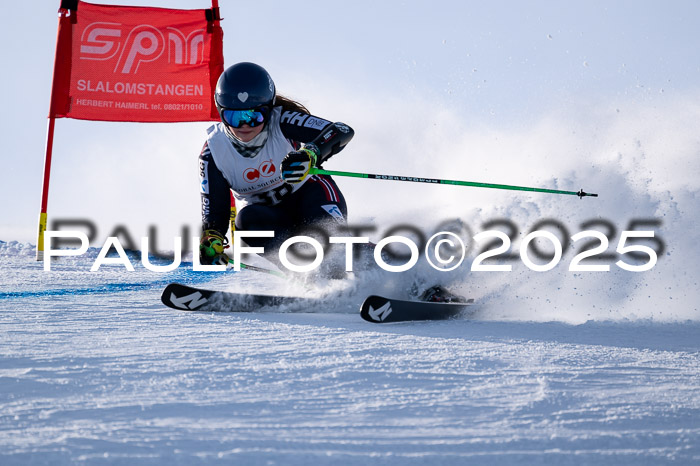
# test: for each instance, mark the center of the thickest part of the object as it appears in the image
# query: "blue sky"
(414, 79)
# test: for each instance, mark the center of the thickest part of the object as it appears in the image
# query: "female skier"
(261, 152)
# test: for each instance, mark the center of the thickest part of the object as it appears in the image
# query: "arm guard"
(326, 138)
(331, 141)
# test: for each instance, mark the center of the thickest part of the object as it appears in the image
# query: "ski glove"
(296, 165)
(211, 248)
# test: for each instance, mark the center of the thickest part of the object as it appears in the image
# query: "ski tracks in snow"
(117, 378)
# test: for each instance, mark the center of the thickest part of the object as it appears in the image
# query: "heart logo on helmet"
(243, 96)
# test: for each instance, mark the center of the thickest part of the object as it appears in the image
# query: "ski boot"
(438, 294)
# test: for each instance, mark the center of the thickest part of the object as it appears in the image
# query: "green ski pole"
(320, 171)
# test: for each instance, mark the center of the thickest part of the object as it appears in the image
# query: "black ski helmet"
(244, 86)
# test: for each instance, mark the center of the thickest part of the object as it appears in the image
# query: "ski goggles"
(238, 118)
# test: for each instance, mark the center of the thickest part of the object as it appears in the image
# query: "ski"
(379, 309)
(187, 298)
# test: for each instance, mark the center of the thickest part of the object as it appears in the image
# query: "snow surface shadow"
(681, 336)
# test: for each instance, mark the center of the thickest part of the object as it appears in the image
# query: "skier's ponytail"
(289, 105)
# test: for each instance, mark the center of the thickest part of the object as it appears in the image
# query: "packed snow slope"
(94, 370)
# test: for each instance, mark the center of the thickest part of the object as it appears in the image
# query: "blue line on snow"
(186, 275)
